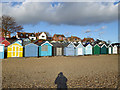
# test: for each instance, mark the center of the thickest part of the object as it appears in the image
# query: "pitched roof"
(37, 34)
(26, 42)
(86, 39)
(57, 44)
(57, 35)
(75, 37)
(43, 43)
(65, 44)
(11, 40)
(76, 44)
(39, 44)
(29, 34)
(5, 42)
(87, 44)
(103, 44)
(116, 44)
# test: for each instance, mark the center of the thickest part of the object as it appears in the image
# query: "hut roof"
(87, 44)
(43, 43)
(101, 45)
(57, 44)
(40, 43)
(11, 40)
(65, 44)
(26, 42)
(76, 44)
(118, 44)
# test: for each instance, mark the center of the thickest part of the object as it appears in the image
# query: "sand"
(81, 72)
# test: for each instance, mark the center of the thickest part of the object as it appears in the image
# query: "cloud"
(103, 27)
(100, 33)
(82, 13)
(88, 31)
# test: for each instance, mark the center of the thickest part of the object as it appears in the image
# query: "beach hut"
(31, 50)
(88, 49)
(57, 49)
(45, 48)
(69, 49)
(110, 49)
(1, 51)
(15, 50)
(104, 49)
(96, 49)
(115, 49)
(80, 49)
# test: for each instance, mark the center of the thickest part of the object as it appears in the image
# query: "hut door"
(59, 51)
(80, 51)
(15, 51)
(109, 50)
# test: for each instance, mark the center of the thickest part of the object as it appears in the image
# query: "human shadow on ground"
(61, 82)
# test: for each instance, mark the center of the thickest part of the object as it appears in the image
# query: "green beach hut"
(104, 49)
(96, 49)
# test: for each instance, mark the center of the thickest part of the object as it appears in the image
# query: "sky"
(82, 19)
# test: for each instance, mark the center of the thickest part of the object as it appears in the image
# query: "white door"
(59, 51)
(80, 51)
(109, 50)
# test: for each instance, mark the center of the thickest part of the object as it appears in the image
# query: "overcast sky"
(62, 13)
(88, 17)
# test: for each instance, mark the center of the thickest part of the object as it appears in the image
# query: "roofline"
(96, 44)
(30, 43)
(103, 45)
(70, 43)
(15, 42)
(110, 45)
(115, 45)
(46, 42)
(88, 44)
(79, 44)
(4, 40)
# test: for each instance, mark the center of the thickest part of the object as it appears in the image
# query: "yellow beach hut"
(15, 50)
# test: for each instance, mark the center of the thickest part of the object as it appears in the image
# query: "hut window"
(60, 38)
(26, 34)
(44, 48)
(33, 35)
(21, 34)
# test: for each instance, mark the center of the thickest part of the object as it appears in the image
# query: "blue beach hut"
(31, 50)
(69, 49)
(88, 49)
(45, 48)
(80, 49)
(1, 51)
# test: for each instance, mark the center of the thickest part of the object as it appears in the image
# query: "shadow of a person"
(61, 81)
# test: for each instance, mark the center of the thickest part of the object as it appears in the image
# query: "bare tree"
(9, 24)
